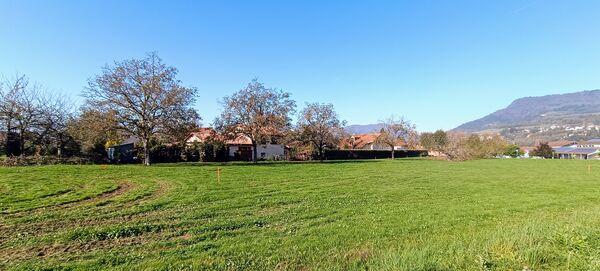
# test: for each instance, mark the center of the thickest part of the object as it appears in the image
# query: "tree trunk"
(59, 148)
(321, 154)
(254, 151)
(393, 153)
(8, 139)
(21, 143)
(146, 152)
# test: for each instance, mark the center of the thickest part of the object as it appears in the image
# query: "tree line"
(143, 98)
(137, 97)
(34, 121)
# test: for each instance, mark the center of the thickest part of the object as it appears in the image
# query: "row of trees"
(34, 121)
(263, 113)
(138, 97)
(143, 98)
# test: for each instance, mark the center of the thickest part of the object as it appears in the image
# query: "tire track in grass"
(163, 188)
(54, 225)
(121, 188)
(7, 231)
(57, 193)
(82, 241)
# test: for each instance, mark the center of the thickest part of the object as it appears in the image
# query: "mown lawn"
(378, 215)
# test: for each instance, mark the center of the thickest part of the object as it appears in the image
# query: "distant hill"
(552, 117)
(363, 129)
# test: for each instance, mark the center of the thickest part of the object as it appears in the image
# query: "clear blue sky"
(439, 63)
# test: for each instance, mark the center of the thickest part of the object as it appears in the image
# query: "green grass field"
(378, 215)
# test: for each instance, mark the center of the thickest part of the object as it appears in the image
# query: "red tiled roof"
(203, 134)
(359, 141)
(239, 140)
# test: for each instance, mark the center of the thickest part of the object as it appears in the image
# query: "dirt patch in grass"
(186, 236)
(359, 255)
(77, 247)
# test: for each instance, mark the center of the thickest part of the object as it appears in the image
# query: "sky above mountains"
(438, 63)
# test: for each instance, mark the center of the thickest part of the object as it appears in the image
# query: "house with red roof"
(239, 148)
(369, 142)
(202, 135)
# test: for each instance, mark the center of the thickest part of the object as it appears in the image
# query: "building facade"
(585, 150)
(240, 148)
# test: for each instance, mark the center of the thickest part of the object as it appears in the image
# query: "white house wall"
(374, 146)
(233, 150)
(268, 151)
(381, 147)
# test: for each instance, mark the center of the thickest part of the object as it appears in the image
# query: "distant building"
(589, 149)
(592, 143)
(201, 135)
(576, 153)
(123, 152)
(240, 148)
(369, 142)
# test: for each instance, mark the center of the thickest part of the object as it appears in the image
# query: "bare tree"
(177, 129)
(397, 130)
(19, 111)
(8, 105)
(146, 96)
(52, 127)
(258, 112)
(319, 125)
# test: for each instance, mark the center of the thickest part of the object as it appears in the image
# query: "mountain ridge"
(572, 113)
(531, 109)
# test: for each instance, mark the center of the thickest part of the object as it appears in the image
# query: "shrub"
(461, 147)
(513, 151)
(166, 154)
(42, 160)
(209, 151)
(542, 150)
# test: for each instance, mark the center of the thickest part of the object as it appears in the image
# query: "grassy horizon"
(403, 214)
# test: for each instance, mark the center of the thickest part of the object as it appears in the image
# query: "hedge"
(371, 154)
(42, 160)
